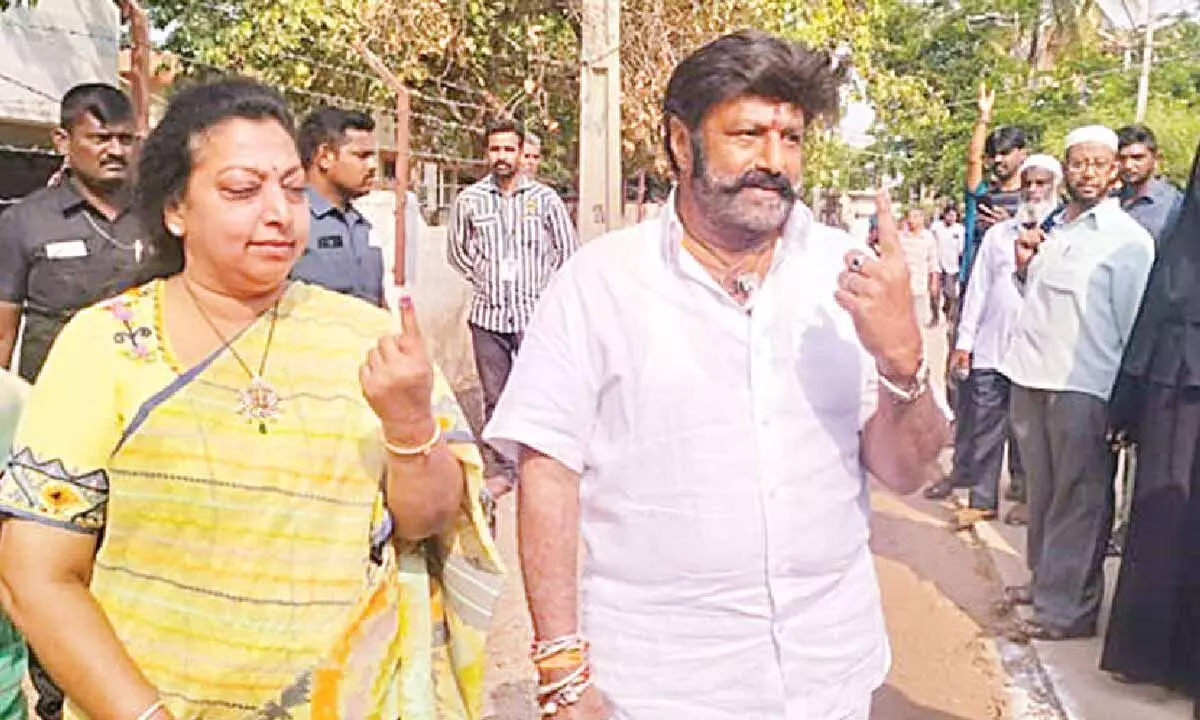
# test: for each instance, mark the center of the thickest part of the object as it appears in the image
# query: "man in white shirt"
(1082, 281)
(699, 397)
(924, 270)
(949, 233)
(989, 310)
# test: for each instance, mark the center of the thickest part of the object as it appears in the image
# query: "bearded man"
(700, 398)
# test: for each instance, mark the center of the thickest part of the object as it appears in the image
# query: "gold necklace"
(259, 401)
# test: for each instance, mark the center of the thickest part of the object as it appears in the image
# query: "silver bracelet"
(919, 387)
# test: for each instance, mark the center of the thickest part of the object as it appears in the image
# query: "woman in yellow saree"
(237, 497)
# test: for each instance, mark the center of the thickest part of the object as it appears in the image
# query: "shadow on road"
(959, 567)
(890, 703)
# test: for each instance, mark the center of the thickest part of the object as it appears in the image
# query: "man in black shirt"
(66, 247)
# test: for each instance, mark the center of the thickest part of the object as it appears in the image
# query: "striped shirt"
(508, 246)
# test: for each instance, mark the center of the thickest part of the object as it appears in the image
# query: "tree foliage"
(466, 62)
(1057, 67)
(1054, 62)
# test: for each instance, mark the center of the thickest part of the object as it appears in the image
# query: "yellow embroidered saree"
(250, 574)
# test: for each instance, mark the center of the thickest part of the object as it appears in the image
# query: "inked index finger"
(408, 318)
(888, 233)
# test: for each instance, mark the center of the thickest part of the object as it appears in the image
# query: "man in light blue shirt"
(1082, 275)
(337, 148)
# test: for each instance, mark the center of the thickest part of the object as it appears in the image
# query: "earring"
(175, 230)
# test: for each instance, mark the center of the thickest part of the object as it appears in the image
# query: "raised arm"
(425, 480)
(987, 101)
(904, 436)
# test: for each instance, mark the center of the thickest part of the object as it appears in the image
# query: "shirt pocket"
(1065, 275)
(331, 267)
(60, 278)
(830, 366)
(372, 269)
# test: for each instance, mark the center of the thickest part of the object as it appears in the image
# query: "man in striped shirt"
(508, 235)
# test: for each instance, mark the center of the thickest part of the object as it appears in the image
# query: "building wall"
(45, 50)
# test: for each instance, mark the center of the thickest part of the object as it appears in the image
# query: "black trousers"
(494, 356)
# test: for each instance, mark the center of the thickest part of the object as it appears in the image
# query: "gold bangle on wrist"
(420, 450)
(152, 710)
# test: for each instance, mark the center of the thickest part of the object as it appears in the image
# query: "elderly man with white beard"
(1082, 274)
(988, 312)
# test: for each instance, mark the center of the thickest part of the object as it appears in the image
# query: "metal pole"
(641, 210)
(403, 108)
(600, 119)
(139, 62)
(1143, 93)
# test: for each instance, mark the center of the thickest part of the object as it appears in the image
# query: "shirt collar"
(1090, 216)
(319, 207)
(523, 183)
(70, 199)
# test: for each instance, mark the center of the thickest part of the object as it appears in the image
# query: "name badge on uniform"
(65, 249)
(329, 242)
(508, 269)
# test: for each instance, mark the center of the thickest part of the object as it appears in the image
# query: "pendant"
(259, 401)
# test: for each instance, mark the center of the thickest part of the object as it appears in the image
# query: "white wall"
(440, 294)
(51, 47)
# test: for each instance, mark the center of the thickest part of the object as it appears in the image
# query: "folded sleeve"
(550, 401)
(57, 473)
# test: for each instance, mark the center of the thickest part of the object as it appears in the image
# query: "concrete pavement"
(1062, 679)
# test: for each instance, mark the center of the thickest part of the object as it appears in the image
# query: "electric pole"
(600, 181)
(1143, 93)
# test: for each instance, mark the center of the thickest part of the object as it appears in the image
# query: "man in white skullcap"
(1082, 273)
(989, 310)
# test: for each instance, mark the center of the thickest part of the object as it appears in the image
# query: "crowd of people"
(238, 489)
(1071, 344)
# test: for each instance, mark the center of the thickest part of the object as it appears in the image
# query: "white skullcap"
(1098, 134)
(1045, 162)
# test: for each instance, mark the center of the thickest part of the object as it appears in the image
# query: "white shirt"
(724, 508)
(1084, 290)
(949, 245)
(992, 300)
(920, 254)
